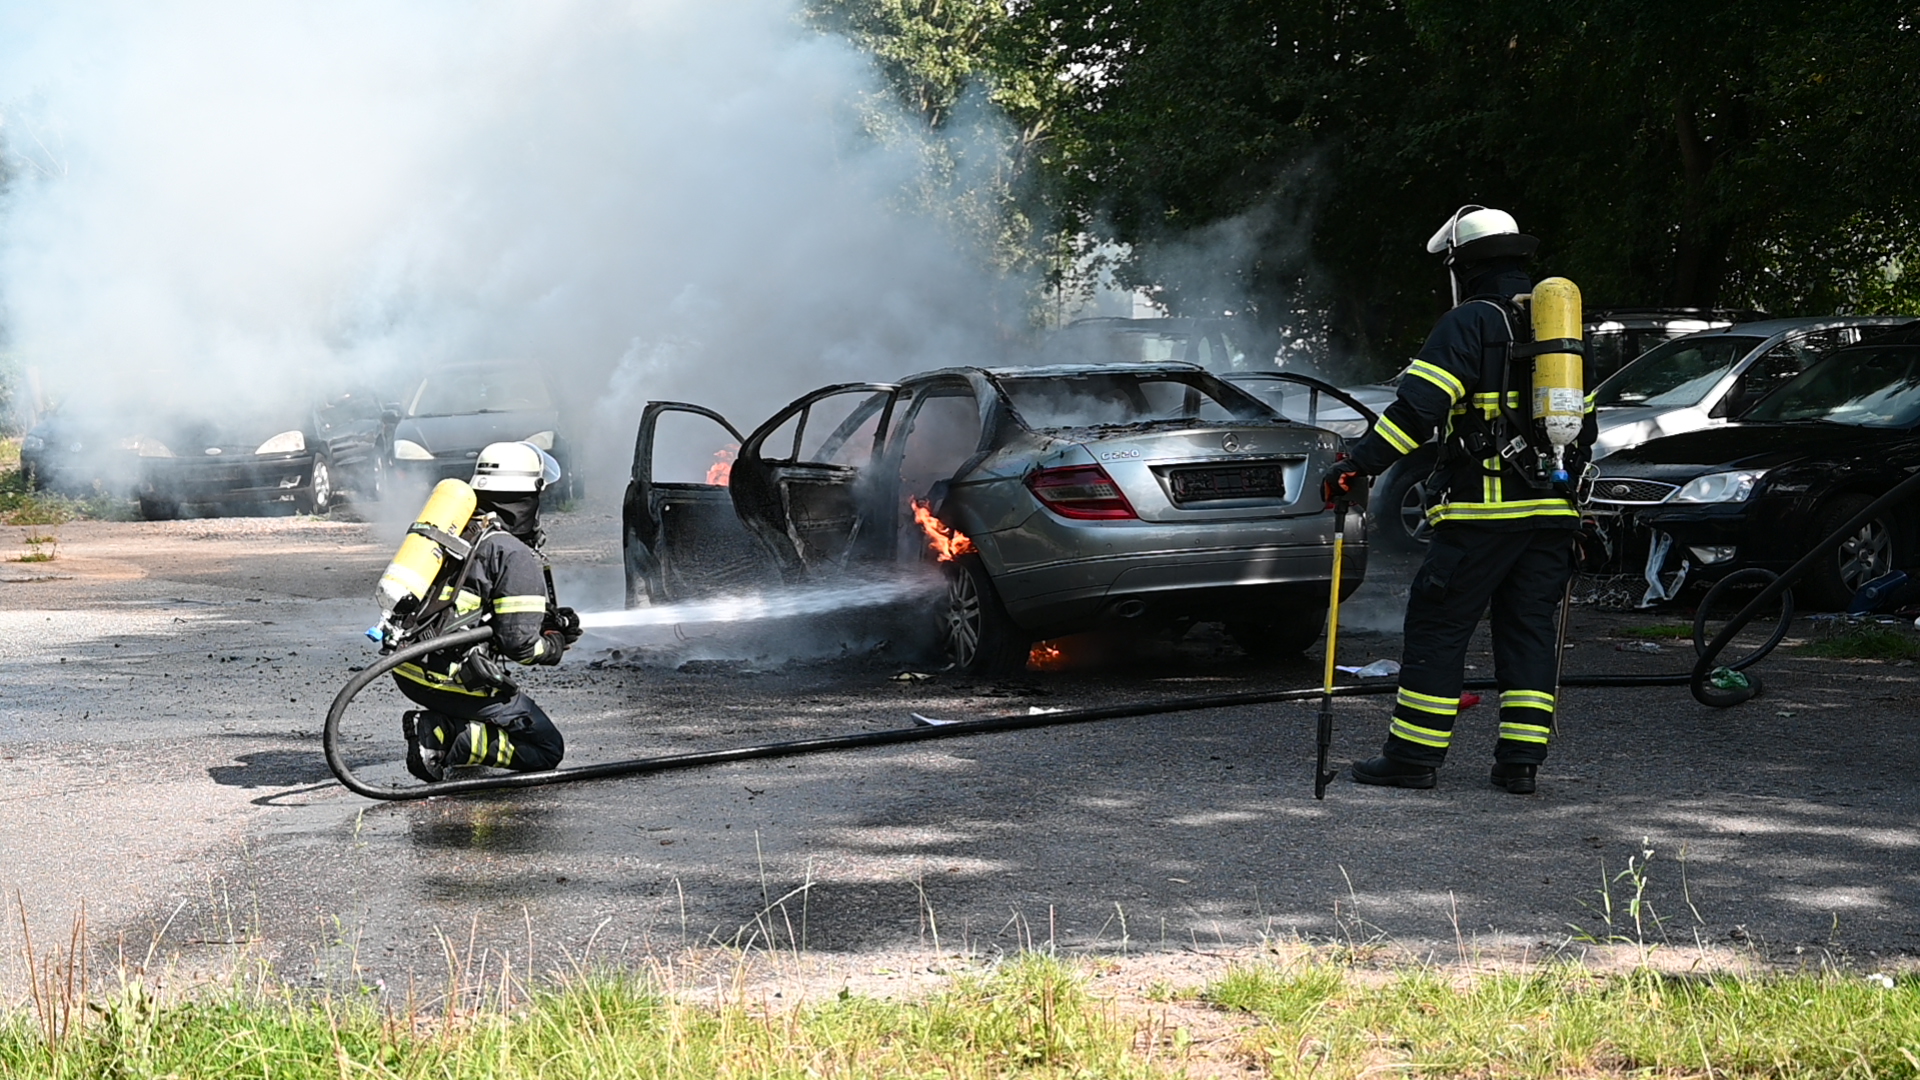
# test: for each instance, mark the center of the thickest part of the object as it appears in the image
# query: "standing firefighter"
(1514, 442)
(472, 711)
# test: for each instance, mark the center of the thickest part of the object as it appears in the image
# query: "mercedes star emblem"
(1231, 444)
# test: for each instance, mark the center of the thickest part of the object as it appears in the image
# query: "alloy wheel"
(964, 618)
(322, 487)
(1413, 512)
(1865, 555)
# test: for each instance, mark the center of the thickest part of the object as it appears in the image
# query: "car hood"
(471, 431)
(1737, 446)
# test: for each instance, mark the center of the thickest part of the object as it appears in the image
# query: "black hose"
(1705, 668)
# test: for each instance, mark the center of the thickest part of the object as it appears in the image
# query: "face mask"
(518, 511)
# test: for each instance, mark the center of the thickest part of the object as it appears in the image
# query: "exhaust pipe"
(1131, 608)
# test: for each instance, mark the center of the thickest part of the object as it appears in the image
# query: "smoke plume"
(214, 200)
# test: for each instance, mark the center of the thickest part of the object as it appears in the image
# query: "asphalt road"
(165, 686)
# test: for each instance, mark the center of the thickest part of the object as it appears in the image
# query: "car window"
(1676, 374)
(942, 429)
(1105, 400)
(1864, 387)
(457, 392)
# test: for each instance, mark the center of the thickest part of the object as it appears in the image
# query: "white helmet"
(1475, 233)
(514, 466)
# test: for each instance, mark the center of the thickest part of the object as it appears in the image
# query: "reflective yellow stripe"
(466, 603)
(1526, 699)
(1589, 402)
(520, 605)
(1414, 733)
(539, 650)
(476, 743)
(1399, 439)
(1427, 703)
(1533, 733)
(1439, 377)
(416, 673)
(504, 747)
(1500, 511)
(1492, 400)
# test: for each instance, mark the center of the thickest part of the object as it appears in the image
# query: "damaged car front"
(1763, 491)
(1053, 499)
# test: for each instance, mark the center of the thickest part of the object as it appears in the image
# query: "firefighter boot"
(1515, 778)
(426, 739)
(1387, 772)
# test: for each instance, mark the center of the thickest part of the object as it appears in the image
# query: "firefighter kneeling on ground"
(1501, 537)
(472, 711)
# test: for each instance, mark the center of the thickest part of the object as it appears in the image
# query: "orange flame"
(946, 542)
(1046, 656)
(721, 470)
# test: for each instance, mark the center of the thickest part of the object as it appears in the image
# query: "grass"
(1867, 641)
(21, 505)
(1031, 1017)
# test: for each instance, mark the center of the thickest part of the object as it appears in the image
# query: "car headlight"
(1719, 487)
(541, 439)
(408, 450)
(33, 444)
(287, 442)
(146, 447)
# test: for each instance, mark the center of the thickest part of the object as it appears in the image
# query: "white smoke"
(654, 199)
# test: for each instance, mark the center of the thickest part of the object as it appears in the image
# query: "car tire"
(979, 637)
(1399, 504)
(319, 496)
(1861, 557)
(158, 509)
(377, 477)
(1277, 640)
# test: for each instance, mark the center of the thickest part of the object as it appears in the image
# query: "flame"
(721, 470)
(1046, 656)
(946, 542)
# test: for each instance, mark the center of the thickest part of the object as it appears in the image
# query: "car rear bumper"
(214, 480)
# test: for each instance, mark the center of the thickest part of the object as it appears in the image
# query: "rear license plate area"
(1221, 483)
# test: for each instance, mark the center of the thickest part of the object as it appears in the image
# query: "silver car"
(1704, 380)
(1054, 499)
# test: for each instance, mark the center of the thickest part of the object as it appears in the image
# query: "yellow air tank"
(1559, 391)
(419, 559)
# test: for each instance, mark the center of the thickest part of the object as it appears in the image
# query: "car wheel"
(377, 478)
(1278, 639)
(319, 497)
(1399, 504)
(979, 636)
(1865, 554)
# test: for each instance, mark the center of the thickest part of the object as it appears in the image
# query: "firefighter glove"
(480, 669)
(1343, 483)
(567, 622)
(553, 646)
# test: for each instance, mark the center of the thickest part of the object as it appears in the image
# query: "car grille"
(1249, 480)
(1625, 492)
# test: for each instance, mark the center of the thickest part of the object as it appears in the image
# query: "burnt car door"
(348, 427)
(680, 537)
(806, 484)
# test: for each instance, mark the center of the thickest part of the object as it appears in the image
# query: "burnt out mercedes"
(1053, 499)
(1761, 491)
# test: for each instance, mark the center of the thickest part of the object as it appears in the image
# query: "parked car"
(77, 452)
(1618, 336)
(457, 410)
(1135, 495)
(308, 455)
(1707, 379)
(1761, 490)
(1685, 383)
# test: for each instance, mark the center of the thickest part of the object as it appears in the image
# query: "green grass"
(1661, 632)
(21, 505)
(1568, 1022)
(1033, 1017)
(1868, 641)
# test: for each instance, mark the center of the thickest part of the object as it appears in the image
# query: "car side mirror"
(390, 415)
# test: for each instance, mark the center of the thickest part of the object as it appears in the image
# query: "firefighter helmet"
(514, 466)
(1477, 232)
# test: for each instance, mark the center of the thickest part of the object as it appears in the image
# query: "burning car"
(1054, 499)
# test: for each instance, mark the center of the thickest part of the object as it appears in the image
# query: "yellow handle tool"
(1321, 777)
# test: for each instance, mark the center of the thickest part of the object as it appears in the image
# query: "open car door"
(806, 483)
(680, 537)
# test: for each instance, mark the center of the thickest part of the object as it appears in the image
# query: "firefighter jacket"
(506, 582)
(1453, 387)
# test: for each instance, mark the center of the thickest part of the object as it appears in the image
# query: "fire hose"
(1701, 680)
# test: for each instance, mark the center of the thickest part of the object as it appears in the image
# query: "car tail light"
(1080, 491)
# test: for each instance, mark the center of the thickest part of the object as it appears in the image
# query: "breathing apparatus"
(434, 538)
(1533, 443)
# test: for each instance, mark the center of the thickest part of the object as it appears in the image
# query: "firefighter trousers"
(1521, 575)
(508, 732)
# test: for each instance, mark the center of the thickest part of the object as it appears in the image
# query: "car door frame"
(758, 483)
(645, 568)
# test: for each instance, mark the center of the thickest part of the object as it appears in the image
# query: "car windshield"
(1864, 387)
(1115, 399)
(453, 393)
(1676, 374)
